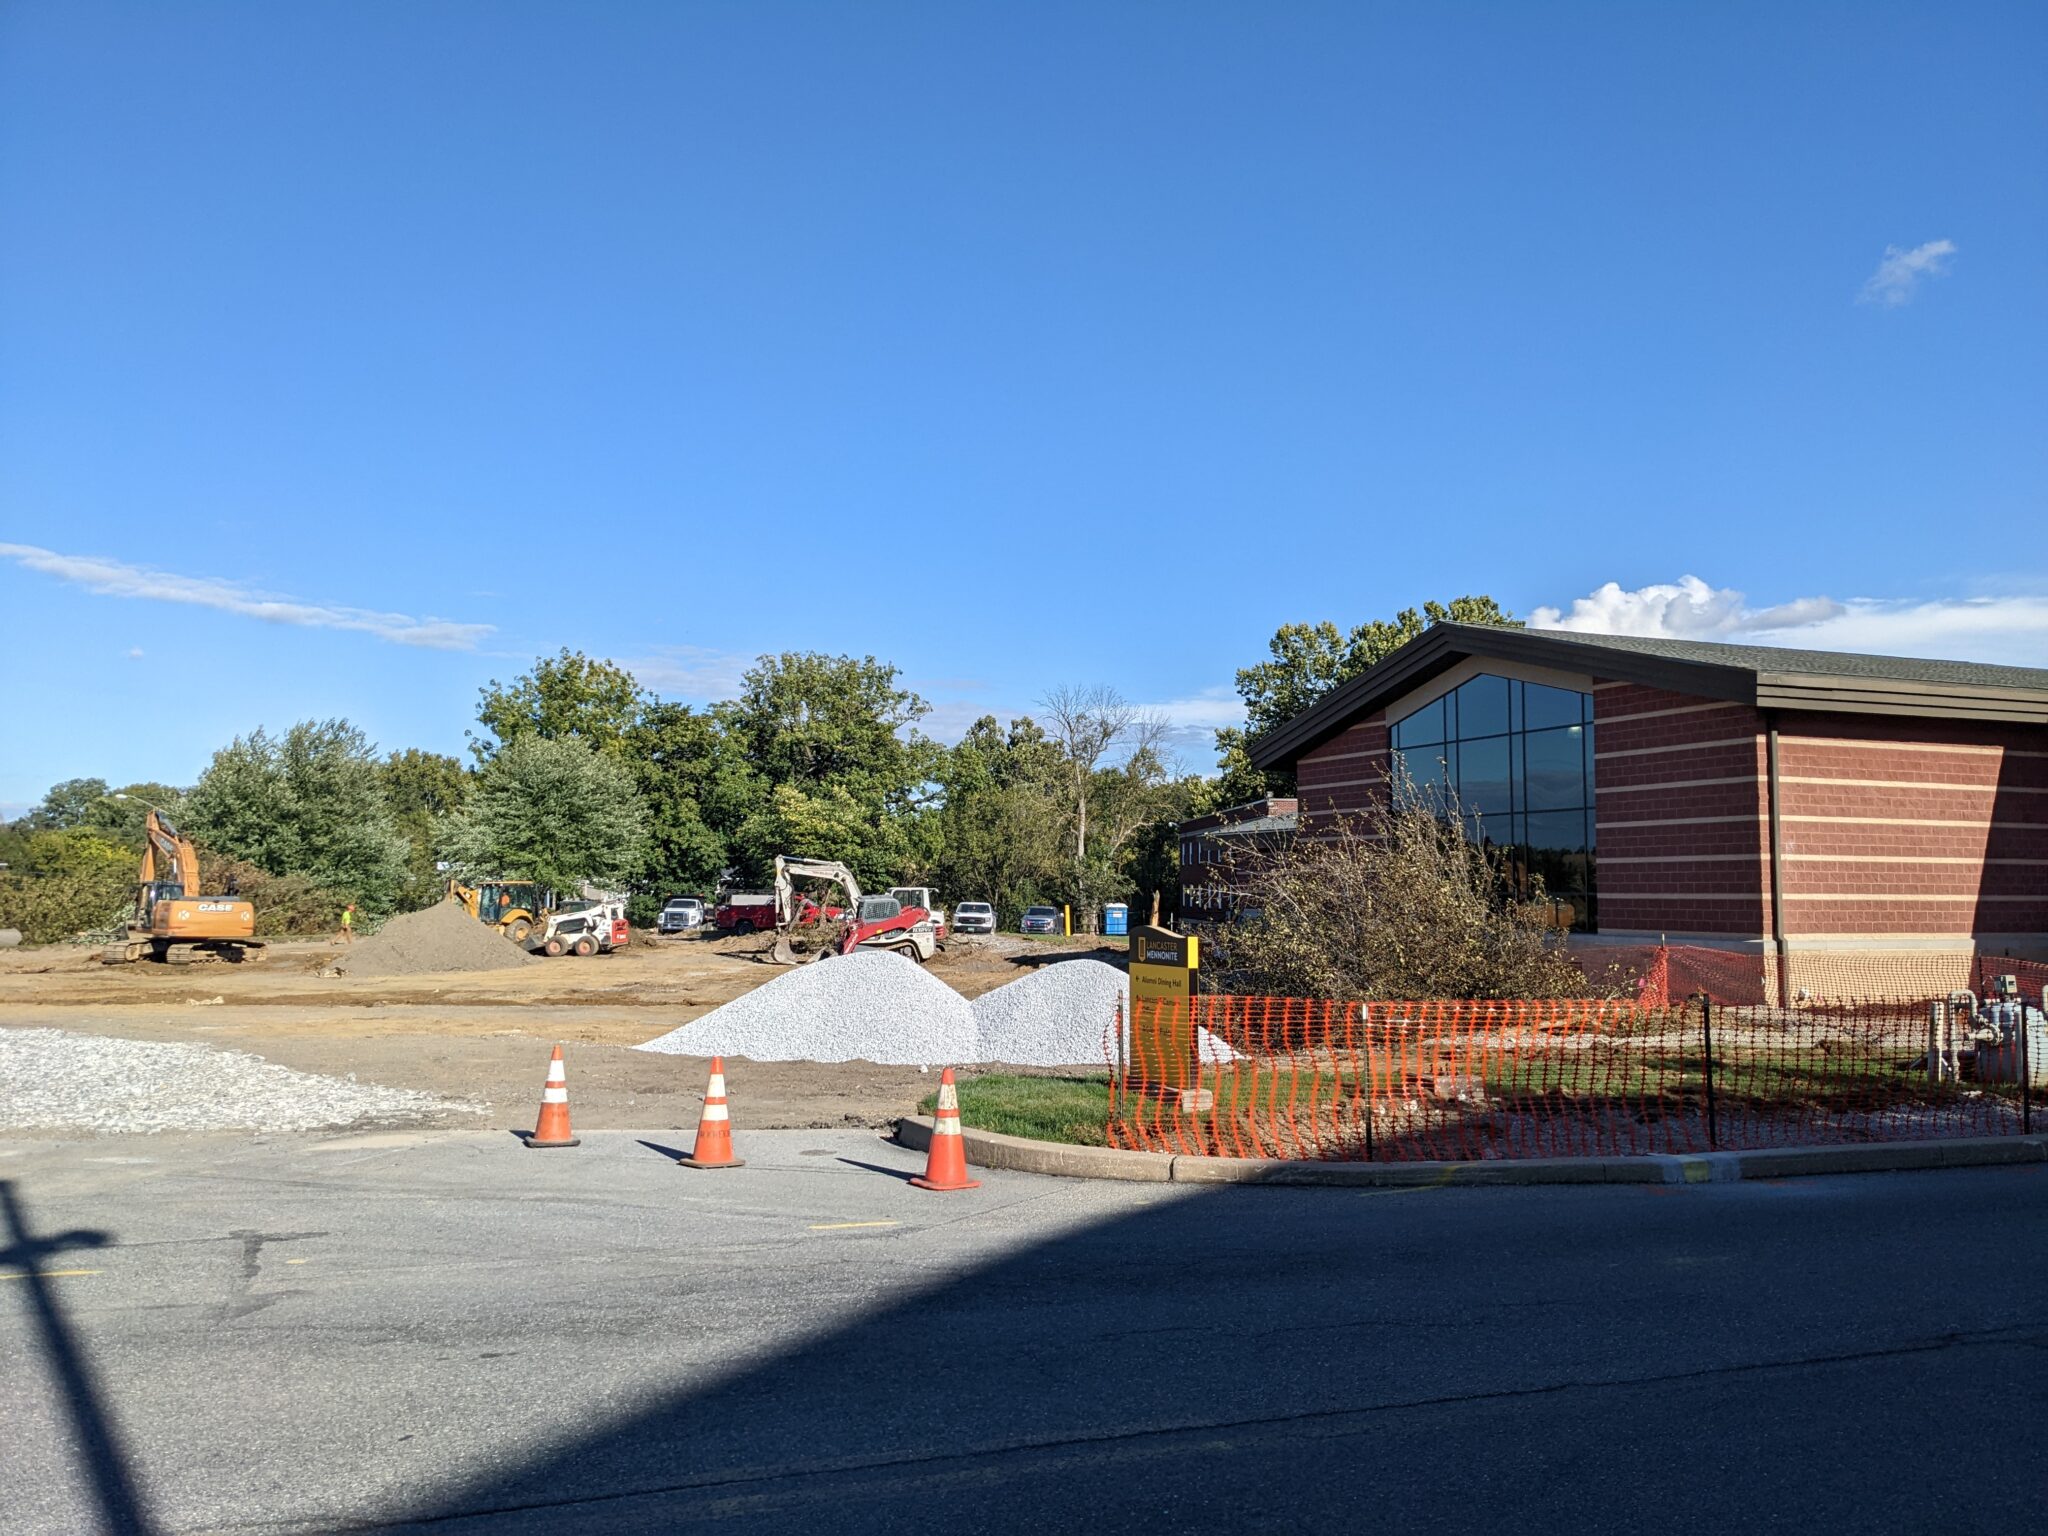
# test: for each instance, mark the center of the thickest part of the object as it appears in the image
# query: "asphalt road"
(448, 1333)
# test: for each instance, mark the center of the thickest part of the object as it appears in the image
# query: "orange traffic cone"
(714, 1127)
(553, 1129)
(946, 1167)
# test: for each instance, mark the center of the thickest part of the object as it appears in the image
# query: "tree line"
(575, 773)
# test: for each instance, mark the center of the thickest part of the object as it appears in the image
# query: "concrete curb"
(988, 1149)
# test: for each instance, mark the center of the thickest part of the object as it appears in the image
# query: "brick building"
(1207, 848)
(1794, 804)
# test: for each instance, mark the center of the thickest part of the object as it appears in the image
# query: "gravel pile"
(866, 1006)
(441, 938)
(60, 1080)
(1063, 1015)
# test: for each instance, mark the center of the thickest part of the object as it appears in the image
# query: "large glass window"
(1519, 757)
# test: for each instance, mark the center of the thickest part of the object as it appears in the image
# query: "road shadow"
(671, 1153)
(1280, 1360)
(104, 1461)
(904, 1175)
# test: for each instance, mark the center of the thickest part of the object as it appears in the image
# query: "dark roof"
(1237, 815)
(1765, 676)
(1262, 826)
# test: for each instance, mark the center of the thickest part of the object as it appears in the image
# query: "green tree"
(308, 803)
(69, 804)
(564, 696)
(420, 788)
(558, 811)
(839, 734)
(697, 787)
(121, 814)
(77, 850)
(1307, 661)
(995, 835)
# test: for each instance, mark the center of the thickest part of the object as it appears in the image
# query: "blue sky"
(354, 354)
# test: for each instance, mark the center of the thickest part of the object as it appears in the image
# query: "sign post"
(1162, 1023)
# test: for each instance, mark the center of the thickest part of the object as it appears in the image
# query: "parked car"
(680, 915)
(974, 917)
(1040, 920)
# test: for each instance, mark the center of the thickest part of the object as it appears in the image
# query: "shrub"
(1398, 904)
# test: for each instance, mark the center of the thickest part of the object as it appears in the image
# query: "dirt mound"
(441, 938)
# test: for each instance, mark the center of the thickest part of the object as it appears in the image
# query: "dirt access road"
(483, 1036)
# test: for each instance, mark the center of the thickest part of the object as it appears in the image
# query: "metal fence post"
(1707, 1052)
(1935, 1020)
(2027, 1066)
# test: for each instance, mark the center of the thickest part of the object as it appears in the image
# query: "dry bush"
(50, 908)
(286, 905)
(1398, 904)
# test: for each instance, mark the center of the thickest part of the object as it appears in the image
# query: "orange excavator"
(172, 922)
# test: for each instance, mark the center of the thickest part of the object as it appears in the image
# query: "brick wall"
(1342, 776)
(1920, 827)
(1891, 827)
(1678, 786)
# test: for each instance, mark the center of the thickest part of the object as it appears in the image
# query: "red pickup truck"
(756, 914)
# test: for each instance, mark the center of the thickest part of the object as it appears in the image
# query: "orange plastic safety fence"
(1272, 1077)
(1299, 1078)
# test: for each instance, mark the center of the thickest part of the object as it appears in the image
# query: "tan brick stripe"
(1680, 746)
(1659, 714)
(1991, 788)
(1633, 789)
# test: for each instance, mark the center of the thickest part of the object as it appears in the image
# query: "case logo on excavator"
(216, 906)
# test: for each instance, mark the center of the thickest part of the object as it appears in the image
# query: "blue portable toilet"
(1116, 918)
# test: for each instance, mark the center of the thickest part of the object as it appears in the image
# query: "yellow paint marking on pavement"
(51, 1274)
(298, 1261)
(847, 1226)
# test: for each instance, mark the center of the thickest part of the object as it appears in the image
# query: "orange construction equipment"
(553, 1129)
(714, 1127)
(946, 1167)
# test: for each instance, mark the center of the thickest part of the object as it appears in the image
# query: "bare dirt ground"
(484, 1036)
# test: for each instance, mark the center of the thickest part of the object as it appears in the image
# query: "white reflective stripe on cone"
(716, 1112)
(554, 1095)
(947, 1126)
(948, 1099)
(716, 1090)
(556, 1074)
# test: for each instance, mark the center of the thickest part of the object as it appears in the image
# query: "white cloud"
(2011, 629)
(1210, 710)
(693, 673)
(1896, 277)
(135, 653)
(115, 578)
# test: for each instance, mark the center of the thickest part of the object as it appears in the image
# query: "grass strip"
(1069, 1109)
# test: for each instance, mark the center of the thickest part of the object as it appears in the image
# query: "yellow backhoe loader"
(514, 907)
(172, 922)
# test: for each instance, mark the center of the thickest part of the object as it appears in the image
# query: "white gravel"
(1061, 1015)
(866, 1006)
(875, 1006)
(58, 1079)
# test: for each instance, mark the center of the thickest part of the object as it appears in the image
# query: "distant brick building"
(1207, 846)
(1790, 803)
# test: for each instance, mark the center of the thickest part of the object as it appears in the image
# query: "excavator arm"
(179, 858)
(787, 870)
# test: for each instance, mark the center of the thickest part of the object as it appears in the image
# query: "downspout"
(1777, 861)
